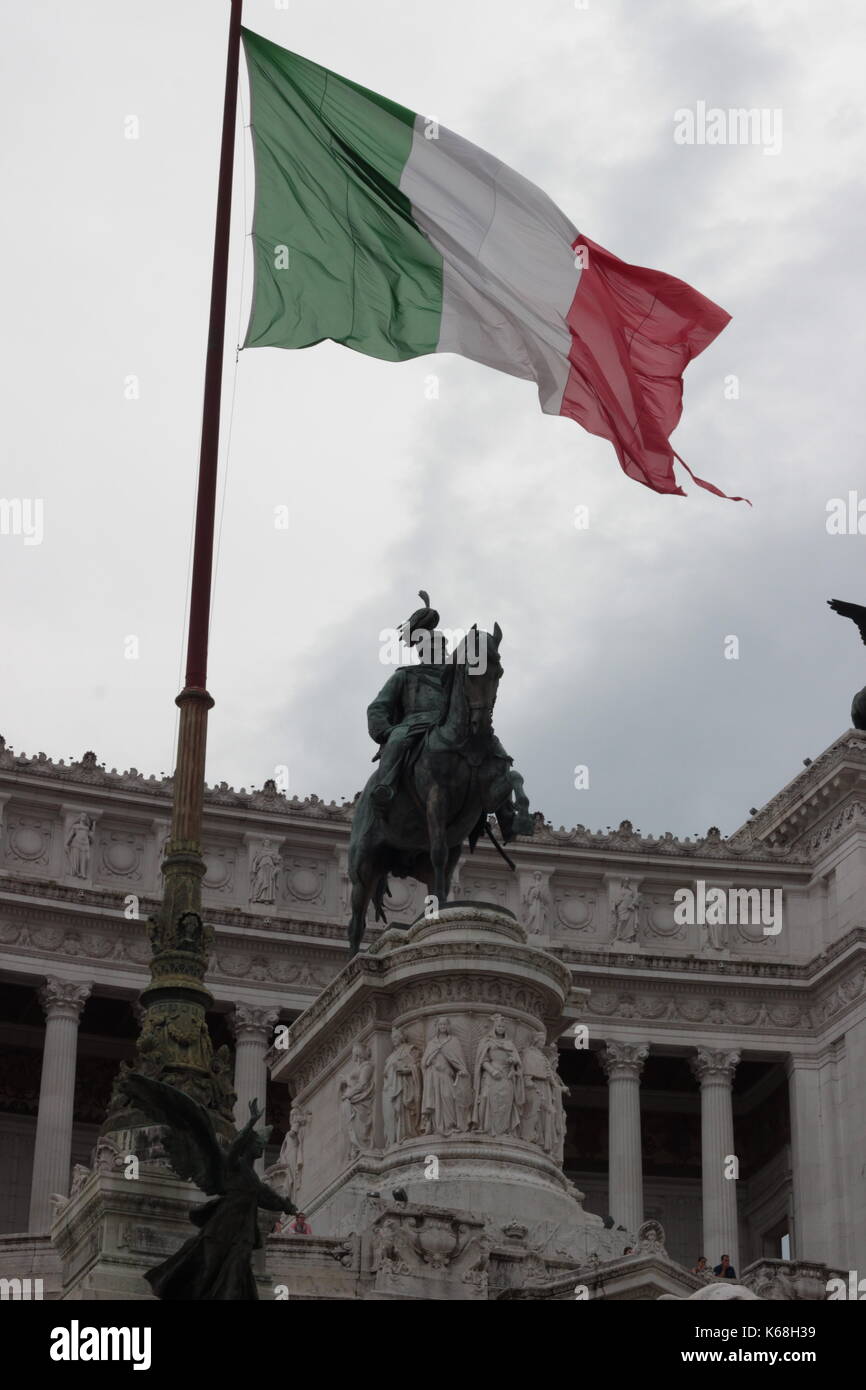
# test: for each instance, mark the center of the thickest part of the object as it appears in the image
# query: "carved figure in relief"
(265, 870)
(290, 1164)
(560, 1091)
(626, 912)
(447, 1095)
(356, 1095)
(499, 1088)
(79, 842)
(401, 1090)
(536, 901)
(537, 1119)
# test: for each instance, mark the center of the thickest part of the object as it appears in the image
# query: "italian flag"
(380, 230)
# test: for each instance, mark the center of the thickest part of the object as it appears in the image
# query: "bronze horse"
(454, 778)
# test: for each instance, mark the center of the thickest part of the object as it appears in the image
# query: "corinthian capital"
(621, 1059)
(715, 1067)
(64, 998)
(255, 1020)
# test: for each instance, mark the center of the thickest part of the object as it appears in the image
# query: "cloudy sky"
(615, 635)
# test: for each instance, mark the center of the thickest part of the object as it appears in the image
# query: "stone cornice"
(821, 995)
(18, 768)
(630, 968)
(810, 797)
(23, 773)
(42, 899)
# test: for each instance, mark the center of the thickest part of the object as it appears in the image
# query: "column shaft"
(254, 1028)
(63, 1001)
(623, 1063)
(715, 1071)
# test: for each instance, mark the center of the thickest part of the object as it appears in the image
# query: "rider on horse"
(412, 701)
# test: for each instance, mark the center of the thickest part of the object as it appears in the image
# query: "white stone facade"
(720, 1087)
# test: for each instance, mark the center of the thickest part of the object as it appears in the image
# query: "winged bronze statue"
(215, 1263)
(857, 614)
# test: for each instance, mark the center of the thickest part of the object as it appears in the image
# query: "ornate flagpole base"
(174, 1045)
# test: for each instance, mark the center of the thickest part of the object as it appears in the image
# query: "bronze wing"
(854, 611)
(189, 1139)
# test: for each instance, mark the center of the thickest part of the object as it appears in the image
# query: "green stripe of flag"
(355, 268)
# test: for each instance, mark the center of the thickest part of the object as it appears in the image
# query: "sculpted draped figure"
(447, 1094)
(290, 1163)
(560, 1091)
(499, 1087)
(537, 1123)
(536, 900)
(626, 912)
(357, 1085)
(401, 1091)
(264, 875)
(79, 842)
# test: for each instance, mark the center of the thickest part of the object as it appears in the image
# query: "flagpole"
(174, 1044)
(194, 700)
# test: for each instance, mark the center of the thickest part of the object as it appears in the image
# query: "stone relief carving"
(78, 845)
(121, 855)
(536, 901)
(660, 920)
(560, 1118)
(499, 1085)
(789, 1280)
(537, 1121)
(357, 1087)
(625, 912)
(334, 1047)
(219, 869)
(305, 879)
(457, 990)
(29, 840)
(264, 872)
(287, 1173)
(486, 890)
(415, 1241)
(401, 1089)
(446, 1100)
(575, 909)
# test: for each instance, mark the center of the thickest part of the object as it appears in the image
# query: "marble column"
(715, 1071)
(62, 1001)
(253, 1026)
(623, 1063)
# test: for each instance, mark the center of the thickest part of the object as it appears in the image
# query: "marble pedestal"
(113, 1229)
(479, 1128)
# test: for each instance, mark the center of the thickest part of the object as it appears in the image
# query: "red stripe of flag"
(633, 333)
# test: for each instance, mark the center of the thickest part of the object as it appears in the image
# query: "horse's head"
(480, 667)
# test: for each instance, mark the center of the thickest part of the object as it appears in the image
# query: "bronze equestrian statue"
(442, 770)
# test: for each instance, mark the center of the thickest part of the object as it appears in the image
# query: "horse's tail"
(380, 892)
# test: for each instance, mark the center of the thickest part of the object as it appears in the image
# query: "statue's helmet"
(423, 620)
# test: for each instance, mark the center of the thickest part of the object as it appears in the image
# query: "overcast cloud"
(614, 636)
